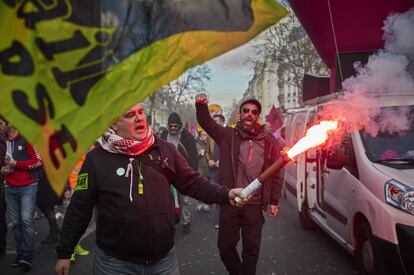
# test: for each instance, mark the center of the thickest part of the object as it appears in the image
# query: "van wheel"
(305, 221)
(365, 253)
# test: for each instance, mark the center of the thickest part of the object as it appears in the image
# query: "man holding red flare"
(245, 152)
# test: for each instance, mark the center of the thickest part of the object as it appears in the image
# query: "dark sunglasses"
(247, 110)
(173, 126)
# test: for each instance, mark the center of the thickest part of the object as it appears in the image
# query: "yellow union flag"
(69, 68)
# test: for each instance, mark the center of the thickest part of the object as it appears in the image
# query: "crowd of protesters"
(134, 179)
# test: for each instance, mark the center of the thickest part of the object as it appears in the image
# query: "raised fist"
(201, 98)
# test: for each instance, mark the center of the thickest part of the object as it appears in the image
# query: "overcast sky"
(230, 76)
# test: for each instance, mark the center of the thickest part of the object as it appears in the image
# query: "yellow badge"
(82, 183)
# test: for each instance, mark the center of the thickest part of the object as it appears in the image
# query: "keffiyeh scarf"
(113, 143)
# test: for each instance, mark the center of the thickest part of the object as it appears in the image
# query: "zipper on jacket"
(250, 153)
(147, 217)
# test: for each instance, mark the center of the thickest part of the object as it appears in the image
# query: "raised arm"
(214, 130)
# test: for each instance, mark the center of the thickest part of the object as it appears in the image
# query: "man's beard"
(248, 127)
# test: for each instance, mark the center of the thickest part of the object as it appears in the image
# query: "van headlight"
(400, 196)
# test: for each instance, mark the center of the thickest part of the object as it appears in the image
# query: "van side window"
(350, 164)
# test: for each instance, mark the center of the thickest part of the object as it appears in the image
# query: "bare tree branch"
(288, 51)
(177, 95)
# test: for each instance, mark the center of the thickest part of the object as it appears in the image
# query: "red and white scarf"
(114, 143)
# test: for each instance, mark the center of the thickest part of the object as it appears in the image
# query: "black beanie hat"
(175, 118)
(251, 101)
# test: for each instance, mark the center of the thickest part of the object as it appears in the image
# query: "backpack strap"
(181, 145)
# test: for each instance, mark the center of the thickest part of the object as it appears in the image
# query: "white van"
(359, 194)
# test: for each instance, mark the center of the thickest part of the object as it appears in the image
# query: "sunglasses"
(247, 110)
(173, 126)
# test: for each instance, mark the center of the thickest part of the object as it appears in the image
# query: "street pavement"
(286, 249)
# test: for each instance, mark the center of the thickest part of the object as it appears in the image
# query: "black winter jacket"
(229, 140)
(142, 230)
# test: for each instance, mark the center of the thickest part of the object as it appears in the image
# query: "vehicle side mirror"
(336, 159)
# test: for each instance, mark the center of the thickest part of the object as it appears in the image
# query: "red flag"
(274, 119)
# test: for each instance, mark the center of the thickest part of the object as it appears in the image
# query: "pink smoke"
(388, 72)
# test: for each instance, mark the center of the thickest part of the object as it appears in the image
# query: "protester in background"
(203, 149)
(174, 193)
(3, 206)
(186, 145)
(245, 152)
(22, 171)
(46, 200)
(161, 130)
(128, 179)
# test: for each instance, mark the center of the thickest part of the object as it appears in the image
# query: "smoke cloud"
(389, 72)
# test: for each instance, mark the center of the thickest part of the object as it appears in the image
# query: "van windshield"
(387, 147)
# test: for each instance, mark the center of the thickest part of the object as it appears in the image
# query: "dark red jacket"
(229, 140)
(28, 163)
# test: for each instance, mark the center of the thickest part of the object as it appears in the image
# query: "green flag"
(69, 68)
